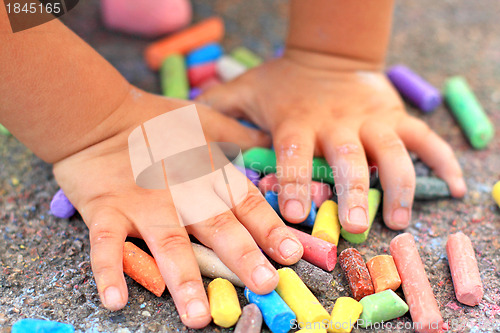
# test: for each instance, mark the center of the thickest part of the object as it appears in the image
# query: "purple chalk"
(414, 88)
(195, 92)
(251, 174)
(279, 51)
(60, 206)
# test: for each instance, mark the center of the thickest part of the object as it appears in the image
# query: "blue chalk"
(272, 200)
(279, 51)
(277, 314)
(41, 326)
(248, 124)
(207, 53)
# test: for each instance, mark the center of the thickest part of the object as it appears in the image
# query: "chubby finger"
(107, 234)
(170, 245)
(294, 146)
(344, 152)
(230, 98)
(267, 228)
(435, 152)
(397, 175)
(237, 249)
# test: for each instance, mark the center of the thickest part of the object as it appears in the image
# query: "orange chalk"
(384, 273)
(141, 267)
(207, 31)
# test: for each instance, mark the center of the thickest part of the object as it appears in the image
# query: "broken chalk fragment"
(374, 197)
(229, 69)
(384, 273)
(276, 313)
(246, 57)
(250, 320)
(428, 188)
(224, 304)
(345, 314)
(41, 326)
(381, 307)
(327, 226)
(207, 53)
(60, 206)
(357, 274)
(317, 251)
(174, 81)
(496, 193)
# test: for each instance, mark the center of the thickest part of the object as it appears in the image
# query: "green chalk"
(4, 131)
(428, 188)
(173, 76)
(263, 160)
(246, 57)
(468, 112)
(383, 306)
(374, 197)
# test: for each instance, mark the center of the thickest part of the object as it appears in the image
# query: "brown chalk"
(464, 270)
(384, 273)
(250, 320)
(354, 267)
(142, 268)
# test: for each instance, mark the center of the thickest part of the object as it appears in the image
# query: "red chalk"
(317, 251)
(424, 309)
(320, 192)
(200, 73)
(355, 269)
(464, 270)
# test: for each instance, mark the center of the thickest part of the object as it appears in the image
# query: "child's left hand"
(345, 110)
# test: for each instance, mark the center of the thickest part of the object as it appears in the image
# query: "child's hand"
(342, 109)
(99, 182)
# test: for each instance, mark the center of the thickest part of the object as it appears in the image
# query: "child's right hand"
(98, 180)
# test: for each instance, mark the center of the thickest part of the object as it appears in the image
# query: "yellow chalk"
(496, 192)
(299, 298)
(345, 313)
(312, 330)
(326, 225)
(224, 305)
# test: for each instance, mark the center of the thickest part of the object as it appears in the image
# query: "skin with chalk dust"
(44, 261)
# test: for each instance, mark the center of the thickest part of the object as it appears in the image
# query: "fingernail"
(112, 297)
(400, 217)
(288, 248)
(460, 184)
(357, 217)
(294, 208)
(261, 274)
(196, 308)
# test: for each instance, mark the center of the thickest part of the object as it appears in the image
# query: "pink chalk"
(207, 84)
(320, 192)
(149, 18)
(317, 251)
(464, 270)
(423, 306)
(200, 73)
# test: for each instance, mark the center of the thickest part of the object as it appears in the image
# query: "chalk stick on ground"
(495, 193)
(142, 268)
(381, 307)
(211, 266)
(431, 188)
(60, 206)
(327, 225)
(464, 270)
(384, 273)
(276, 313)
(345, 313)
(374, 197)
(41, 326)
(357, 274)
(246, 57)
(224, 304)
(250, 320)
(4, 130)
(174, 81)
(317, 251)
(229, 69)
(418, 293)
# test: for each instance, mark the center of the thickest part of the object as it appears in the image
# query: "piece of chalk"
(384, 273)
(207, 53)
(320, 192)
(279, 51)
(312, 330)
(413, 87)
(374, 197)
(264, 160)
(381, 307)
(206, 31)
(357, 274)
(142, 268)
(299, 298)
(464, 270)
(431, 188)
(327, 225)
(207, 84)
(199, 73)
(174, 81)
(248, 124)
(224, 304)
(495, 193)
(253, 176)
(41, 326)
(60, 206)
(317, 251)
(468, 112)
(272, 200)
(276, 313)
(211, 266)
(194, 92)
(250, 320)
(345, 313)
(229, 69)
(4, 130)
(146, 18)
(418, 293)
(246, 57)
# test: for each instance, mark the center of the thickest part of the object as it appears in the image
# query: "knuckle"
(102, 266)
(390, 143)
(347, 149)
(252, 202)
(171, 242)
(102, 236)
(249, 254)
(221, 222)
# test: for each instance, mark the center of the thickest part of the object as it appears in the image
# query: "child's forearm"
(357, 30)
(55, 89)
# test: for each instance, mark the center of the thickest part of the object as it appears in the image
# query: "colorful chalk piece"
(207, 53)
(246, 57)
(4, 130)
(229, 69)
(381, 307)
(194, 92)
(60, 206)
(174, 81)
(345, 313)
(250, 320)
(224, 304)
(41, 326)
(431, 188)
(317, 251)
(384, 273)
(253, 176)
(199, 73)
(327, 225)
(495, 193)
(272, 200)
(374, 197)
(276, 313)
(211, 266)
(357, 274)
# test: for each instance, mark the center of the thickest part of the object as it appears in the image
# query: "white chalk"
(229, 69)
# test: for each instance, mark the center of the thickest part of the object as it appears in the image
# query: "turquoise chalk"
(41, 326)
(204, 54)
(272, 200)
(277, 314)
